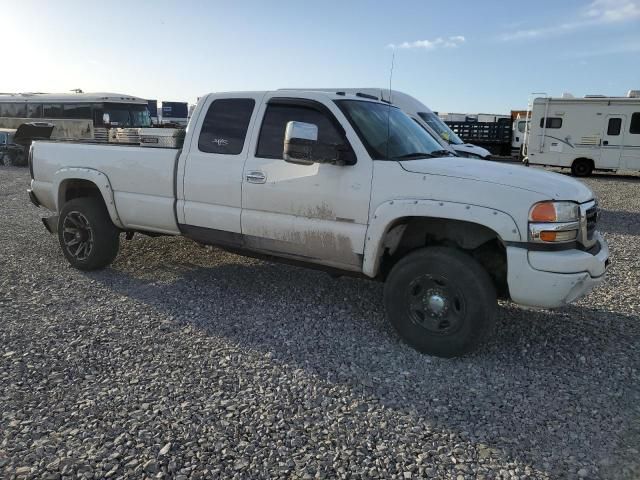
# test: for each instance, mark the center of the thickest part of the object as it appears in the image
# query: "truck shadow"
(619, 221)
(558, 363)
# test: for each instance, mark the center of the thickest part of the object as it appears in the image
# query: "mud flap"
(51, 224)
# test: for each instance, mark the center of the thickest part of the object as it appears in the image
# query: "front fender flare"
(387, 213)
(96, 177)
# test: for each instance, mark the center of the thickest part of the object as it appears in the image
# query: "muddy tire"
(441, 301)
(88, 237)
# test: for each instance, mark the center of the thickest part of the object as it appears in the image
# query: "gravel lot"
(185, 362)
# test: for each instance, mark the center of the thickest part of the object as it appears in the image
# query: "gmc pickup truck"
(342, 183)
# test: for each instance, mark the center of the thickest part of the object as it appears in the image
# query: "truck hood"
(553, 185)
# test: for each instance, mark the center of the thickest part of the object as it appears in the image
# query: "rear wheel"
(582, 167)
(88, 237)
(441, 301)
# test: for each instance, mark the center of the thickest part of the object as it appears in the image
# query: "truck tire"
(441, 301)
(582, 167)
(88, 237)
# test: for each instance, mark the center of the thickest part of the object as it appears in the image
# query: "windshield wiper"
(414, 156)
(448, 153)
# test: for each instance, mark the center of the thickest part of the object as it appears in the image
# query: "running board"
(51, 224)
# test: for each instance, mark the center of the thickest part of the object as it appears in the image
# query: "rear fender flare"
(389, 213)
(96, 177)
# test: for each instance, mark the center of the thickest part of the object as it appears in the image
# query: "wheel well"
(482, 243)
(77, 188)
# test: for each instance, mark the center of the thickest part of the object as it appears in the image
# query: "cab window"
(274, 124)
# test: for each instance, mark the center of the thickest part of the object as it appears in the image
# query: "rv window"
(635, 124)
(614, 127)
(52, 110)
(80, 110)
(34, 110)
(13, 110)
(552, 122)
(225, 126)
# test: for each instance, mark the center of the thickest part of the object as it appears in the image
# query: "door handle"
(256, 177)
(606, 142)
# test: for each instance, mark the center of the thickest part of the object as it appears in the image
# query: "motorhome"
(424, 116)
(78, 116)
(585, 134)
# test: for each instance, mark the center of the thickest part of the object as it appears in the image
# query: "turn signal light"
(560, 236)
(544, 212)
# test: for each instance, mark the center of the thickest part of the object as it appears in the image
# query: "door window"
(225, 126)
(614, 126)
(274, 124)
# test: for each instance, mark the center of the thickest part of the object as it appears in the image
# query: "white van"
(421, 114)
(586, 134)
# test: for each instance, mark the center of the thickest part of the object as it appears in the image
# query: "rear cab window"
(225, 126)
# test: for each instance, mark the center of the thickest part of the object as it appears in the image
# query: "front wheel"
(441, 301)
(88, 237)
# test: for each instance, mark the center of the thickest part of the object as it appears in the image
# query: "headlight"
(554, 222)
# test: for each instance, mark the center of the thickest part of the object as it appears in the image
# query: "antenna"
(393, 58)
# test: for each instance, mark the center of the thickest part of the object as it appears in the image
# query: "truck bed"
(142, 179)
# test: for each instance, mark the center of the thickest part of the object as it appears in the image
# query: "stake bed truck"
(342, 183)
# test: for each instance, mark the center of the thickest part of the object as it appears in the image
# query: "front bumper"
(553, 279)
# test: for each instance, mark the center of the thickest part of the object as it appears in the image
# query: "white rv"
(422, 115)
(586, 134)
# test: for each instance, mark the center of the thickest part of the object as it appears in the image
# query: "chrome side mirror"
(300, 138)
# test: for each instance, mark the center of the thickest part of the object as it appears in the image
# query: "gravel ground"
(185, 362)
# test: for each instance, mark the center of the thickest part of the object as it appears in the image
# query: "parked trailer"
(494, 136)
(586, 134)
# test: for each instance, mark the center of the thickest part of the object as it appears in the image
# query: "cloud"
(598, 12)
(449, 42)
(611, 11)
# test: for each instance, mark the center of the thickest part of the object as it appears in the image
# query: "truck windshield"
(387, 132)
(440, 127)
(128, 115)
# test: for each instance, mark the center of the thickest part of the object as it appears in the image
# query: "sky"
(465, 56)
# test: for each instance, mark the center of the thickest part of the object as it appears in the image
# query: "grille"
(592, 220)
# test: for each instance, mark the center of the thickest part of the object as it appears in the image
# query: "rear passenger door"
(213, 170)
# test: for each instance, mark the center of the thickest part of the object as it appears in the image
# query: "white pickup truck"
(342, 183)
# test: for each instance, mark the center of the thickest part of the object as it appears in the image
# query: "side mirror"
(301, 146)
(106, 119)
(299, 141)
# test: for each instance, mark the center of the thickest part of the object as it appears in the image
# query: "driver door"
(314, 213)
